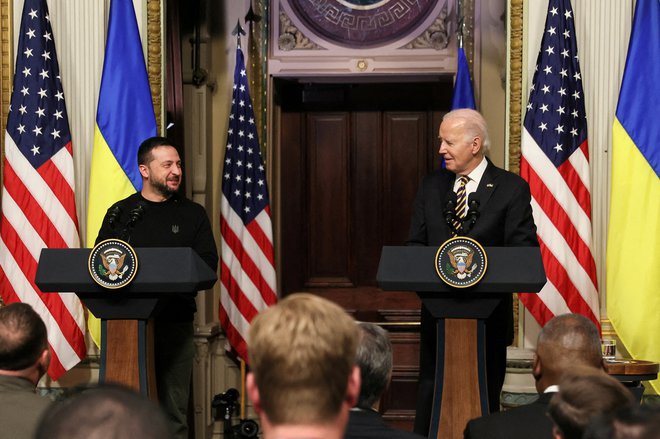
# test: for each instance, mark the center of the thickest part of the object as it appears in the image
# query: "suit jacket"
(505, 213)
(528, 421)
(505, 220)
(368, 424)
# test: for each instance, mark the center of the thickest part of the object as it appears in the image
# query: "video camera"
(225, 406)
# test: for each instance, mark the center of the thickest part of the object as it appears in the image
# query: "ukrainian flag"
(124, 118)
(633, 248)
(463, 92)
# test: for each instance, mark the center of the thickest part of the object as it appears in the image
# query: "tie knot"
(463, 179)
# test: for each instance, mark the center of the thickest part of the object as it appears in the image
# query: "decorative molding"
(469, 35)
(6, 63)
(302, 48)
(292, 38)
(515, 84)
(515, 111)
(435, 36)
(155, 36)
(257, 70)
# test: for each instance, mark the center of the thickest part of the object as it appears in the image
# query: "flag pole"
(238, 31)
(461, 23)
(243, 370)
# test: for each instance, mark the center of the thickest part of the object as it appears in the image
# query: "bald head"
(566, 341)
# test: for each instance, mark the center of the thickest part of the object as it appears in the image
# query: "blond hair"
(302, 352)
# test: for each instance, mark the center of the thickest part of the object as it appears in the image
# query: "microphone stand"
(472, 216)
(133, 217)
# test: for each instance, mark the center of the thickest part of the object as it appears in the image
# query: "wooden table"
(632, 372)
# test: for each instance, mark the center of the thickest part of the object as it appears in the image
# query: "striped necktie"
(461, 204)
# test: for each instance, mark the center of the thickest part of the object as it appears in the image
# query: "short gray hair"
(474, 124)
(374, 358)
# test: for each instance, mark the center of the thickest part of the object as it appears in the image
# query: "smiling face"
(162, 173)
(461, 150)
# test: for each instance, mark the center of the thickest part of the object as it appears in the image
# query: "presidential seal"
(461, 262)
(112, 263)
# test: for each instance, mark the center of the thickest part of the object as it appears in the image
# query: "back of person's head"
(107, 412)
(374, 358)
(144, 151)
(474, 125)
(566, 341)
(633, 422)
(23, 337)
(584, 394)
(302, 353)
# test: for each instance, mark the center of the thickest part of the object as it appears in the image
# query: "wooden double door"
(350, 160)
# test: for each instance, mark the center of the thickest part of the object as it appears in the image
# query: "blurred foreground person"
(374, 358)
(584, 395)
(24, 359)
(107, 412)
(634, 422)
(566, 341)
(303, 378)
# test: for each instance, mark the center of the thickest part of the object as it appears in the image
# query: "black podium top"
(160, 270)
(510, 269)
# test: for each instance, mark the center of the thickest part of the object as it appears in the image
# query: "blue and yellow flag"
(124, 118)
(633, 248)
(463, 92)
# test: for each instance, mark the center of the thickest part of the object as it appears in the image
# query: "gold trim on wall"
(155, 35)
(6, 63)
(515, 111)
(257, 58)
(515, 83)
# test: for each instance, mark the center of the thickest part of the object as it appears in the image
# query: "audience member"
(374, 358)
(24, 359)
(107, 412)
(303, 378)
(633, 422)
(566, 341)
(584, 394)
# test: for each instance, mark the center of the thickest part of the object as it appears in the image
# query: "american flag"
(38, 205)
(247, 268)
(555, 162)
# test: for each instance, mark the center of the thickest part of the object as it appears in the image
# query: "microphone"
(134, 215)
(473, 213)
(113, 216)
(450, 208)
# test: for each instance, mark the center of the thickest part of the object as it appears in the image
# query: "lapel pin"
(489, 185)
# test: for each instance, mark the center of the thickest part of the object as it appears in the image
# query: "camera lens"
(248, 428)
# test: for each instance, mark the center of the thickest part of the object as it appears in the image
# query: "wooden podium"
(125, 313)
(460, 392)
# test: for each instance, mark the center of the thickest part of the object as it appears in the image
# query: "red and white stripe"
(38, 211)
(247, 273)
(561, 203)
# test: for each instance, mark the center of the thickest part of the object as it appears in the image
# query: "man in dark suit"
(499, 214)
(565, 342)
(374, 358)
